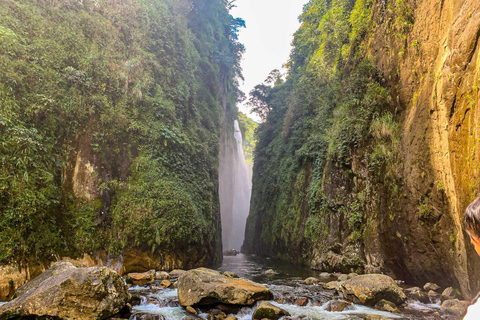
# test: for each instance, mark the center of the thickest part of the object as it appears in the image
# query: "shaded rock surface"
(454, 307)
(70, 293)
(371, 288)
(208, 287)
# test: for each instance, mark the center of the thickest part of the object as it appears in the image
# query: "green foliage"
(330, 119)
(248, 127)
(119, 83)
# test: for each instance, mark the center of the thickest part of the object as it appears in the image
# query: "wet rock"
(74, 293)
(176, 273)
(450, 293)
(165, 284)
(230, 274)
(369, 289)
(385, 305)
(141, 279)
(454, 307)
(431, 286)
(333, 285)
(207, 287)
(191, 310)
(267, 310)
(162, 275)
(310, 281)
(135, 300)
(302, 302)
(337, 305)
(230, 253)
(416, 293)
(269, 272)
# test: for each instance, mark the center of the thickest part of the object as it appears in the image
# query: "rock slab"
(369, 289)
(73, 293)
(208, 287)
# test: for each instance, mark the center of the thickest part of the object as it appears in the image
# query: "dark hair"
(471, 219)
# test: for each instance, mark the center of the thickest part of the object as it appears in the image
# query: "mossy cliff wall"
(369, 155)
(110, 125)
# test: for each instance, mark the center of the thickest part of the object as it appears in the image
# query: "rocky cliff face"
(385, 193)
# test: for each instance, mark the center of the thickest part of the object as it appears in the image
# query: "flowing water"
(286, 286)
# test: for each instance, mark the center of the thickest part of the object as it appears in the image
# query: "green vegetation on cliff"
(109, 125)
(330, 130)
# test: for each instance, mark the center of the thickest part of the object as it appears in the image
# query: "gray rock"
(72, 293)
(267, 310)
(327, 277)
(208, 287)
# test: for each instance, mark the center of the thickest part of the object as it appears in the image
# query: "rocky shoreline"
(68, 292)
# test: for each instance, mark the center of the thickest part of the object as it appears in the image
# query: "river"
(286, 286)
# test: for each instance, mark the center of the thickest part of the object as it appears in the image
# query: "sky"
(267, 38)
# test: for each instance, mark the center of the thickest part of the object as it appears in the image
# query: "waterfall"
(235, 191)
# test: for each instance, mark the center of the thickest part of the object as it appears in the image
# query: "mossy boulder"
(208, 287)
(266, 310)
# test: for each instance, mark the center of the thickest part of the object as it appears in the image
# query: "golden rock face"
(206, 287)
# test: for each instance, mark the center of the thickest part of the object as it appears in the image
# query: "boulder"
(369, 289)
(192, 310)
(333, 285)
(266, 310)
(230, 253)
(141, 279)
(162, 275)
(337, 305)
(416, 293)
(74, 293)
(207, 287)
(301, 302)
(450, 293)
(310, 281)
(352, 275)
(165, 284)
(385, 305)
(454, 307)
(269, 272)
(431, 286)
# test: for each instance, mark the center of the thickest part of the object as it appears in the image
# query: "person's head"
(471, 221)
